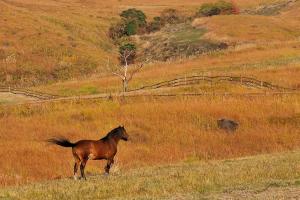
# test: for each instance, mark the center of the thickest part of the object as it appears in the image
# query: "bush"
(220, 7)
(133, 21)
(127, 50)
(131, 28)
(209, 9)
(135, 15)
(226, 8)
(171, 16)
(117, 30)
(155, 25)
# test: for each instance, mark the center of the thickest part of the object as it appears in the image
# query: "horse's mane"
(111, 133)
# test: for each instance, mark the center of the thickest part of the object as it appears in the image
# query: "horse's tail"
(61, 141)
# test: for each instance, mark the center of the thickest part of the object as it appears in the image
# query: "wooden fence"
(29, 93)
(191, 80)
(183, 81)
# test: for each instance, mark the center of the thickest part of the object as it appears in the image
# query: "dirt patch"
(176, 41)
(10, 98)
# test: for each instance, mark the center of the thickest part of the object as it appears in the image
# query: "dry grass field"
(162, 131)
(52, 41)
(61, 47)
(278, 63)
(272, 176)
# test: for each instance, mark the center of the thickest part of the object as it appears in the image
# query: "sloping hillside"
(246, 28)
(50, 41)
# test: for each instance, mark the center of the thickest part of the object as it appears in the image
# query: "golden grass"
(272, 176)
(64, 40)
(161, 130)
(248, 28)
(274, 62)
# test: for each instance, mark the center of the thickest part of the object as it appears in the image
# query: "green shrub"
(135, 21)
(131, 28)
(220, 7)
(127, 50)
(209, 9)
(155, 25)
(226, 8)
(135, 15)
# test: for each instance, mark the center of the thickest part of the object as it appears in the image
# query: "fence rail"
(29, 93)
(191, 80)
(183, 81)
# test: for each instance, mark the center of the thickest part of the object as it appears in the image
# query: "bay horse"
(84, 150)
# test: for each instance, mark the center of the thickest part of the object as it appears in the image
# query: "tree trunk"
(125, 84)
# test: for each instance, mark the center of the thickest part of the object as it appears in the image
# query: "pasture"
(175, 148)
(272, 176)
(183, 128)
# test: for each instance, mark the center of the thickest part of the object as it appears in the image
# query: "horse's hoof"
(105, 174)
(76, 178)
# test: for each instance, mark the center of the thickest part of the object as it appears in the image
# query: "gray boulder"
(227, 125)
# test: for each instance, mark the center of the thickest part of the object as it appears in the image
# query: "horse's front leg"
(110, 161)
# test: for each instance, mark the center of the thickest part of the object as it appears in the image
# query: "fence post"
(9, 89)
(241, 79)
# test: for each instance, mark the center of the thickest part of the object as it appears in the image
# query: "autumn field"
(272, 176)
(175, 150)
(67, 40)
(182, 128)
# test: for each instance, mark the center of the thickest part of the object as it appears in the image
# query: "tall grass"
(161, 131)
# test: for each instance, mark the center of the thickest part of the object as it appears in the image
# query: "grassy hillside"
(265, 176)
(278, 63)
(50, 41)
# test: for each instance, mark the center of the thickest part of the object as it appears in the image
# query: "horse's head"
(124, 135)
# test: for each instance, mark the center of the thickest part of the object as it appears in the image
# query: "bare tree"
(125, 71)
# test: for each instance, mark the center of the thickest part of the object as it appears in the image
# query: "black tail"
(61, 141)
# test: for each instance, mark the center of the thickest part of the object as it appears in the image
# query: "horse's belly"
(96, 157)
(92, 156)
(105, 152)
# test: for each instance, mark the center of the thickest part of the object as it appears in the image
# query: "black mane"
(113, 132)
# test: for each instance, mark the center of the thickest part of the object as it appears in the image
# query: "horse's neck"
(111, 138)
(115, 139)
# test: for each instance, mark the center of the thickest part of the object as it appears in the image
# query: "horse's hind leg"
(76, 165)
(75, 170)
(82, 166)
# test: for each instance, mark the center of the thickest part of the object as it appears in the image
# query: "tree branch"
(119, 75)
(134, 72)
